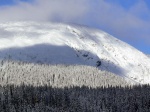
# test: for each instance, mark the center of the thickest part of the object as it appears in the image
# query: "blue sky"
(12, 2)
(128, 20)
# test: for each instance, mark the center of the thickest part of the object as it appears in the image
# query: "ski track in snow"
(72, 44)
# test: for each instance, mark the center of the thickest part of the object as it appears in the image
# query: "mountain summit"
(52, 43)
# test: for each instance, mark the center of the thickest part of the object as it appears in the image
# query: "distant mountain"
(72, 44)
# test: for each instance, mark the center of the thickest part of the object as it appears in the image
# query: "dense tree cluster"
(28, 87)
(56, 75)
(74, 99)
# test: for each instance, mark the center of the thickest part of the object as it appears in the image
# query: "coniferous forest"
(74, 99)
(28, 87)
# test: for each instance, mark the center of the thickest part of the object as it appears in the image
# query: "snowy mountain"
(72, 44)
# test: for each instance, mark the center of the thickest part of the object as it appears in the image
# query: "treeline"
(16, 73)
(74, 99)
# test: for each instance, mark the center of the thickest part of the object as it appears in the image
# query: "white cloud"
(44, 10)
(132, 24)
(128, 24)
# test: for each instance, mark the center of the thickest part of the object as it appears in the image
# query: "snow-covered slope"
(72, 44)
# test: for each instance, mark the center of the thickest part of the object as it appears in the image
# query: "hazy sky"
(128, 20)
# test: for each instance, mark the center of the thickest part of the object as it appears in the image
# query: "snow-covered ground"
(72, 44)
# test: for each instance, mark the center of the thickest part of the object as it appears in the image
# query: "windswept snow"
(72, 44)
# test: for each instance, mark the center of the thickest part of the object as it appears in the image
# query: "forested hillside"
(28, 87)
(74, 99)
(18, 73)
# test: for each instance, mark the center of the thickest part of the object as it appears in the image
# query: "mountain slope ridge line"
(42, 42)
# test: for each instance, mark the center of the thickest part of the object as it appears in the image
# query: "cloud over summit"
(131, 25)
(44, 10)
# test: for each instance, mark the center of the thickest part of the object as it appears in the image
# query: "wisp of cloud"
(131, 25)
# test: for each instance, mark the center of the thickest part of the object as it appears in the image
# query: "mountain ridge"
(72, 44)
